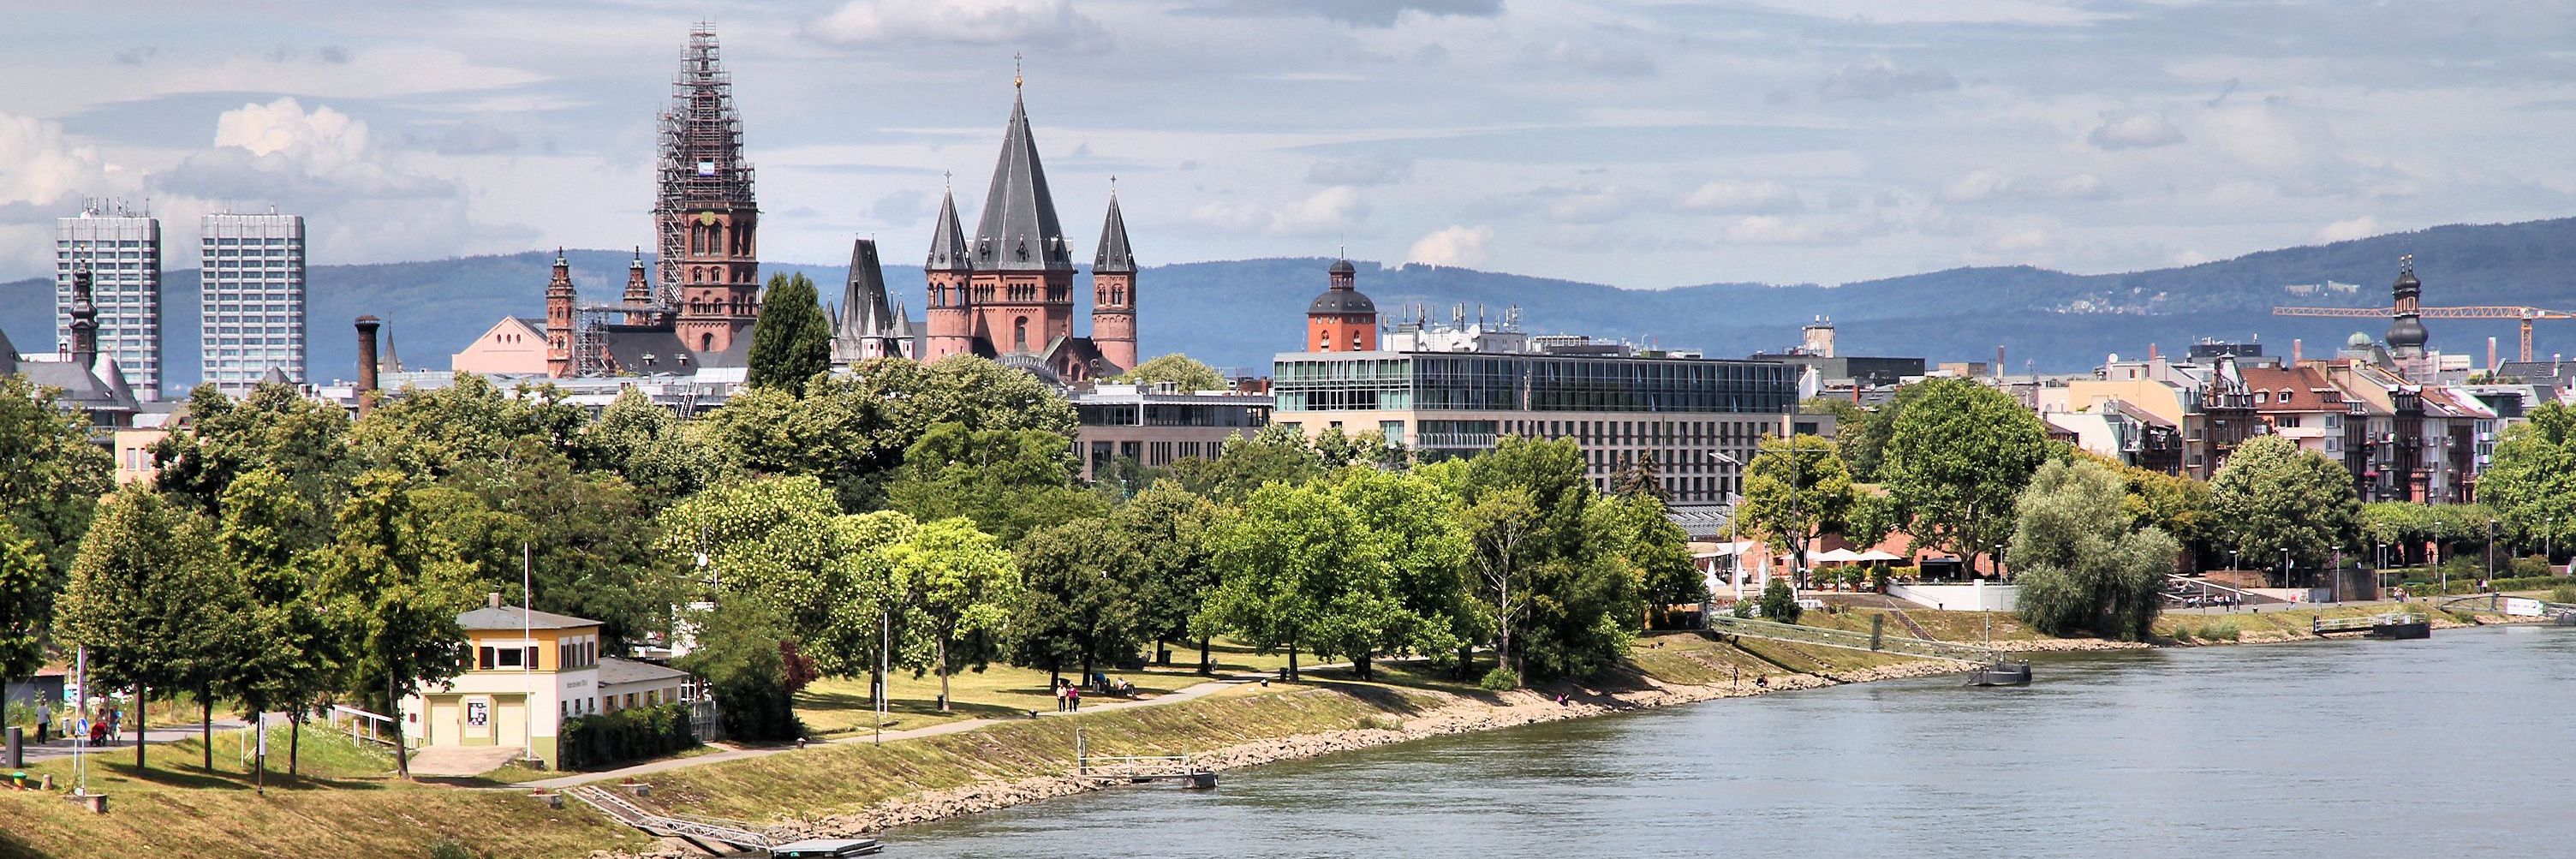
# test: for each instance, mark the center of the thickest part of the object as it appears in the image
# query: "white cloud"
(2135, 130)
(38, 166)
(1452, 246)
(322, 136)
(1592, 205)
(360, 202)
(2349, 229)
(960, 22)
(1737, 197)
(1989, 184)
(1326, 212)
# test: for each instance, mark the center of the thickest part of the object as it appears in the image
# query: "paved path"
(460, 761)
(735, 753)
(61, 747)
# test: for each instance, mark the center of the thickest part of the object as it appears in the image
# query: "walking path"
(61, 747)
(736, 753)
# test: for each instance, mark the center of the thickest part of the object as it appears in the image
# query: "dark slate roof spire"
(863, 303)
(1018, 229)
(1114, 257)
(948, 239)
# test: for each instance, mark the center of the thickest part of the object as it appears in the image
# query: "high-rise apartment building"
(122, 250)
(252, 291)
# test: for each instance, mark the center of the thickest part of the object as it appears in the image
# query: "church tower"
(639, 292)
(946, 322)
(1113, 292)
(559, 319)
(704, 214)
(1021, 289)
(1342, 319)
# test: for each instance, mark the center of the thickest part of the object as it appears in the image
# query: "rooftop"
(509, 617)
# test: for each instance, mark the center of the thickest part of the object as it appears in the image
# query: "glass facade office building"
(123, 252)
(252, 298)
(1680, 413)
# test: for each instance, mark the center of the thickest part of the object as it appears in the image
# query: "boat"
(2001, 673)
(828, 847)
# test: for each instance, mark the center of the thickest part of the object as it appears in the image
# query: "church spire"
(1113, 256)
(948, 239)
(863, 301)
(1018, 230)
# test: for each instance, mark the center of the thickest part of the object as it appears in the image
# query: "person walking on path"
(44, 719)
(1072, 698)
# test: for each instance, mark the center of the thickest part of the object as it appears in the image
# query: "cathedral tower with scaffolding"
(704, 214)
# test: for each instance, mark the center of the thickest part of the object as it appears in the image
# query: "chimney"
(492, 599)
(2151, 351)
(367, 363)
(2491, 356)
(1999, 362)
(2296, 356)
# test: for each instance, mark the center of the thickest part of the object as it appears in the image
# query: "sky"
(1642, 144)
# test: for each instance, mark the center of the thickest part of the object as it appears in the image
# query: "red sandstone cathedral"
(1006, 294)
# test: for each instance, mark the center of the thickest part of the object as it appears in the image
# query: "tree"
(1956, 458)
(2398, 525)
(1864, 443)
(394, 588)
(1007, 481)
(1276, 454)
(1498, 527)
(742, 652)
(646, 444)
(1849, 416)
(434, 432)
(1779, 602)
(1582, 597)
(288, 654)
(2532, 483)
(1639, 479)
(1178, 370)
(52, 475)
(1079, 604)
(791, 342)
(146, 600)
(26, 602)
(2081, 560)
(783, 543)
(2175, 503)
(1657, 550)
(1299, 573)
(2276, 498)
(274, 428)
(1795, 491)
(1164, 529)
(962, 583)
(1414, 523)
(570, 532)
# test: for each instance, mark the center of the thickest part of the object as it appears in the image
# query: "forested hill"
(1238, 313)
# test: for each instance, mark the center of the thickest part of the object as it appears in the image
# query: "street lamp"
(2491, 529)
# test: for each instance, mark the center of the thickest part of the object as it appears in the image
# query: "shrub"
(626, 735)
(2531, 567)
(1743, 608)
(1499, 680)
(450, 848)
(2223, 630)
(1779, 602)
(2563, 593)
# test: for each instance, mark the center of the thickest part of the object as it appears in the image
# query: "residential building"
(121, 250)
(2302, 405)
(2208, 402)
(251, 294)
(629, 683)
(525, 673)
(1158, 424)
(1456, 390)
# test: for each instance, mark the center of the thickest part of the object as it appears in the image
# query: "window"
(510, 658)
(485, 661)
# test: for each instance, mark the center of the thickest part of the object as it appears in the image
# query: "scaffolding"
(701, 166)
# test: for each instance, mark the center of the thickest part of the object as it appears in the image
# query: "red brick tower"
(1113, 292)
(705, 214)
(946, 327)
(559, 319)
(1021, 290)
(1342, 319)
(639, 292)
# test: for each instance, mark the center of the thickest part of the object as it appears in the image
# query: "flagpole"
(527, 666)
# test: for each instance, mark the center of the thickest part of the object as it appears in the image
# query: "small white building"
(527, 672)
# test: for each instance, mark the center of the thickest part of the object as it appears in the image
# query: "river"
(2322, 749)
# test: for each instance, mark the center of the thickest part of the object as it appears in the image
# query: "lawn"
(839, 705)
(344, 804)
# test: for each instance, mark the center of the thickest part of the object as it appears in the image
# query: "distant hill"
(1238, 313)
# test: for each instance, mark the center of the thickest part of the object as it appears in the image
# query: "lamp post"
(2491, 529)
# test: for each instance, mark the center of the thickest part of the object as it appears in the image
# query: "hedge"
(625, 735)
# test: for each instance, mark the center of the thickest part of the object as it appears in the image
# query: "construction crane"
(2518, 313)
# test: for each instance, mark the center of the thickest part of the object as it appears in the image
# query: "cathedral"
(1006, 294)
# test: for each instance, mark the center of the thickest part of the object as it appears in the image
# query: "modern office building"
(251, 291)
(121, 248)
(1158, 424)
(1454, 390)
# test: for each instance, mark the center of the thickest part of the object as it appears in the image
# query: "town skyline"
(1522, 137)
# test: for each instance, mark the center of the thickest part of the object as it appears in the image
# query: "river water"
(2443, 747)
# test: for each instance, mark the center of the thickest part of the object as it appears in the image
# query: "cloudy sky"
(1641, 143)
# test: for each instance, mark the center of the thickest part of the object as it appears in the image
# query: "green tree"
(1583, 598)
(1165, 528)
(1864, 443)
(289, 654)
(1007, 481)
(1657, 550)
(2399, 525)
(2175, 503)
(52, 475)
(1638, 479)
(1848, 416)
(741, 651)
(2532, 483)
(1276, 454)
(394, 588)
(1079, 605)
(783, 543)
(792, 342)
(274, 428)
(26, 602)
(1179, 370)
(962, 584)
(146, 600)
(2276, 498)
(2081, 559)
(644, 443)
(1956, 458)
(1413, 521)
(1779, 602)
(1299, 573)
(1796, 490)
(1499, 528)
(570, 534)
(435, 432)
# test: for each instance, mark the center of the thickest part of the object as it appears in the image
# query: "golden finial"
(1015, 70)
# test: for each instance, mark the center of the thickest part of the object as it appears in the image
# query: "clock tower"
(707, 220)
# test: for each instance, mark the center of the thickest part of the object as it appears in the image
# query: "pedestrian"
(115, 722)
(1072, 698)
(44, 719)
